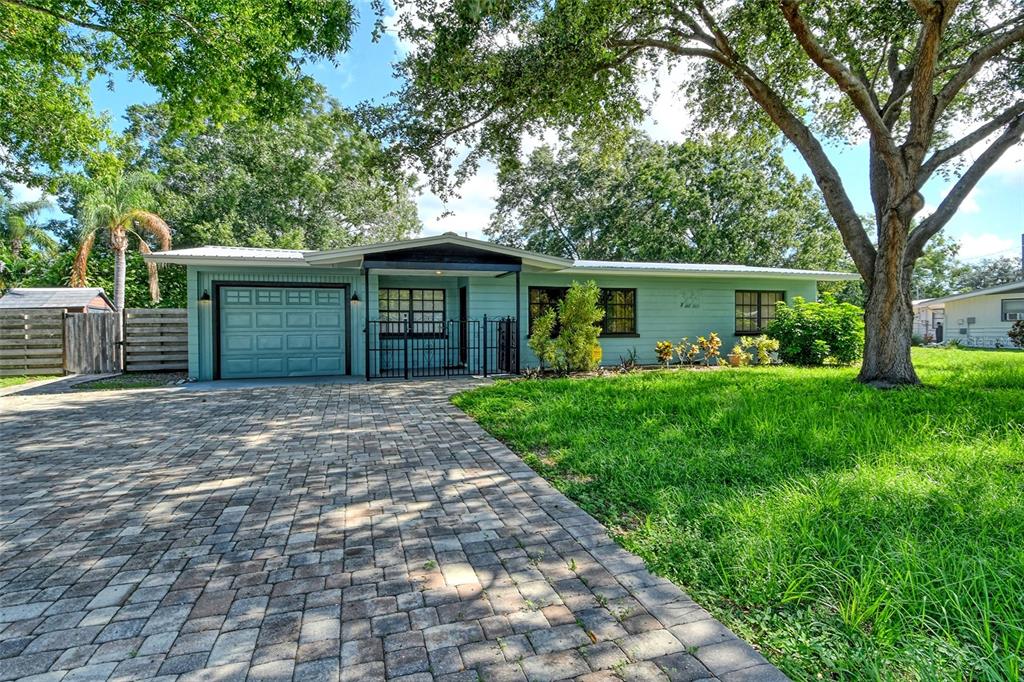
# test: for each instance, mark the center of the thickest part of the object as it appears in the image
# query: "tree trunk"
(889, 315)
(119, 242)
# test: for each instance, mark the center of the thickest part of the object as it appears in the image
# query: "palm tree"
(20, 229)
(116, 208)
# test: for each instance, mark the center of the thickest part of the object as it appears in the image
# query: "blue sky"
(989, 223)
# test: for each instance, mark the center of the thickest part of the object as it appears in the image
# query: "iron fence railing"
(409, 350)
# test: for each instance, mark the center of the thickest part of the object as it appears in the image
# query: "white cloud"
(986, 245)
(22, 192)
(669, 113)
(467, 214)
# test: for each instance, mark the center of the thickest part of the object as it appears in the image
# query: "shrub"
(763, 347)
(1016, 334)
(579, 315)
(541, 341)
(811, 333)
(916, 340)
(664, 349)
(710, 347)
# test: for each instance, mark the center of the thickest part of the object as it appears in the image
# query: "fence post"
(485, 345)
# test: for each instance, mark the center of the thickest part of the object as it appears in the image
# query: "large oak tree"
(933, 86)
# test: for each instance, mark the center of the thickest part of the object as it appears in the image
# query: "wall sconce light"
(205, 297)
(355, 297)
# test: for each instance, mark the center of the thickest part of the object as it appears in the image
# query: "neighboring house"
(446, 305)
(929, 320)
(978, 318)
(69, 299)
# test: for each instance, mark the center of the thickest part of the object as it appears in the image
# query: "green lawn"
(844, 530)
(6, 382)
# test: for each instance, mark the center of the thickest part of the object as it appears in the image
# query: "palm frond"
(154, 281)
(79, 277)
(152, 223)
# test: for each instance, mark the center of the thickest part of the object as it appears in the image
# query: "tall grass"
(846, 531)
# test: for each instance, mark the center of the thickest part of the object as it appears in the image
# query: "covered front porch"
(440, 310)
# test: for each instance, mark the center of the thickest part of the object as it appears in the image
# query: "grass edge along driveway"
(843, 530)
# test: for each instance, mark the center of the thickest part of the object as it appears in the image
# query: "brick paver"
(342, 532)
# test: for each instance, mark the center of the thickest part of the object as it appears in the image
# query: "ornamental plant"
(541, 341)
(763, 347)
(580, 317)
(710, 346)
(663, 349)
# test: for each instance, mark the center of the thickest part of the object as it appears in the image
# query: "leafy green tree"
(579, 326)
(728, 200)
(20, 227)
(988, 273)
(938, 269)
(210, 60)
(931, 85)
(313, 180)
(116, 207)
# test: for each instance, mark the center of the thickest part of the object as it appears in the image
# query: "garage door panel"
(237, 320)
(269, 320)
(237, 342)
(328, 342)
(281, 331)
(269, 342)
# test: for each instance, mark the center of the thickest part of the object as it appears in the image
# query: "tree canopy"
(210, 60)
(933, 86)
(313, 180)
(728, 200)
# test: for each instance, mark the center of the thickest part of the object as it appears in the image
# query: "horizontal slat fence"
(156, 339)
(31, 342)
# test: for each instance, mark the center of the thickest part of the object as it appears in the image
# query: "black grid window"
(755, 309)
(422, 308)
(619, 308)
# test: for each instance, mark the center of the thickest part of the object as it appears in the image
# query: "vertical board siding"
(90, 343)
(667, 307)
(31, 342)
(156, 339)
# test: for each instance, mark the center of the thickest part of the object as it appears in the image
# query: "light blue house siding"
(667, 307)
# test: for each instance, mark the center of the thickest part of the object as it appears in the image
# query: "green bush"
(813, 333)
(541, 342)
(579, 317)
(1016, 334)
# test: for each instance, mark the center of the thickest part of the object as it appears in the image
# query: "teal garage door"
(281, 332)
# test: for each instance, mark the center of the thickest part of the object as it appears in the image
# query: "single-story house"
(929, 320)
(69, 299)
(447, 305)
(977, 318)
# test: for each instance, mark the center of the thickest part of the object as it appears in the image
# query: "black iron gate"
(409, 350)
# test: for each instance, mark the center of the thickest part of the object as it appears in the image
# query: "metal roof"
(1010, 288)
(708, 269)
(352, 257)
(57, 297)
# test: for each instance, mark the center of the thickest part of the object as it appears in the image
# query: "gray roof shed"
(63, 298)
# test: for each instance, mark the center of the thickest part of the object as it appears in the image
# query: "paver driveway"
(352, 531)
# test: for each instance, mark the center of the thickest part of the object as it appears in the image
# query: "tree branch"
(972, 138)
(973, 65)
(81, 23)
(922, 96)
(848, 82)
(930, 226)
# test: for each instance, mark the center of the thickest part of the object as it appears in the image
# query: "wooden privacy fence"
(91, 343)
(156, 339)
(31, 342)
